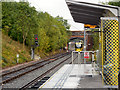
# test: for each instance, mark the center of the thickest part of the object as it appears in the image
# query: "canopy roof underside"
(88, 13)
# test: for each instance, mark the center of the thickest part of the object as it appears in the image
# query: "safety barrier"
(79, 59)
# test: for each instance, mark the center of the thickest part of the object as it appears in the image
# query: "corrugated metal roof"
(89, 13)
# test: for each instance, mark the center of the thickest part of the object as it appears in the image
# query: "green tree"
(21, 22)
(95, 39)
(26, 20)
(114, 3)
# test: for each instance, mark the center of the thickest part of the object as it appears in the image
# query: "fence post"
(93, 63)
(32, 52)
(72, 57)
(97, 55)
(79, 58)
(17, 58)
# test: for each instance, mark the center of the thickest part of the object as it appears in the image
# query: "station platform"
(74, 76)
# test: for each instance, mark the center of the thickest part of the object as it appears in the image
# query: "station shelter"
(106, 18)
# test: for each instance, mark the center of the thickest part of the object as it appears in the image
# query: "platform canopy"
(89, 13)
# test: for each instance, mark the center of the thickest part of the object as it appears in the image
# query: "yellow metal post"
(102, 48)
(110, 49)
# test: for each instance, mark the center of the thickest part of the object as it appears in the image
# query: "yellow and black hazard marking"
(110, 50)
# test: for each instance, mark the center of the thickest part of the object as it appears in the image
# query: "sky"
(59, 8)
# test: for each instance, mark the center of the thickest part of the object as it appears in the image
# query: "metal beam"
(87, 18)
(107, 6)
(86, 21)
(86, 7)
(76, 16)
(85, 14)
(83, 10)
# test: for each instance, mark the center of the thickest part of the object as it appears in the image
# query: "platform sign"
(86, 54)
(90, 26)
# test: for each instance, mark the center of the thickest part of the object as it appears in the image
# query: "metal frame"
(84, 12)
(93, 62)
(106, 6)
(74, 7)
(119, 56)
(81, 52)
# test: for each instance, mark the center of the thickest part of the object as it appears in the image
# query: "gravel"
(23, 80)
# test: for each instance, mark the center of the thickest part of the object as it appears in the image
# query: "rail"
(43, 75)
(11, 75)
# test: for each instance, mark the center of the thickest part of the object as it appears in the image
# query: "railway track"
(44, 74)
(11, 75)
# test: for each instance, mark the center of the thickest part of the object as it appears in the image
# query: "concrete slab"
(74, 76)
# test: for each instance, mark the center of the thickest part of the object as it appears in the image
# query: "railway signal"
(36, 44)
(36, 40)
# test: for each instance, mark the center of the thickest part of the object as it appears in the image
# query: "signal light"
(36, 40)
(36, 37)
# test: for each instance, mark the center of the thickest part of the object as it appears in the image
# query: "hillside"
(10, 49)
(20, 24)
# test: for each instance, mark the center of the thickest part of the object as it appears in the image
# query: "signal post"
(36, 44)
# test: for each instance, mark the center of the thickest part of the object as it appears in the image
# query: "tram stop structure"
(107, 19)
